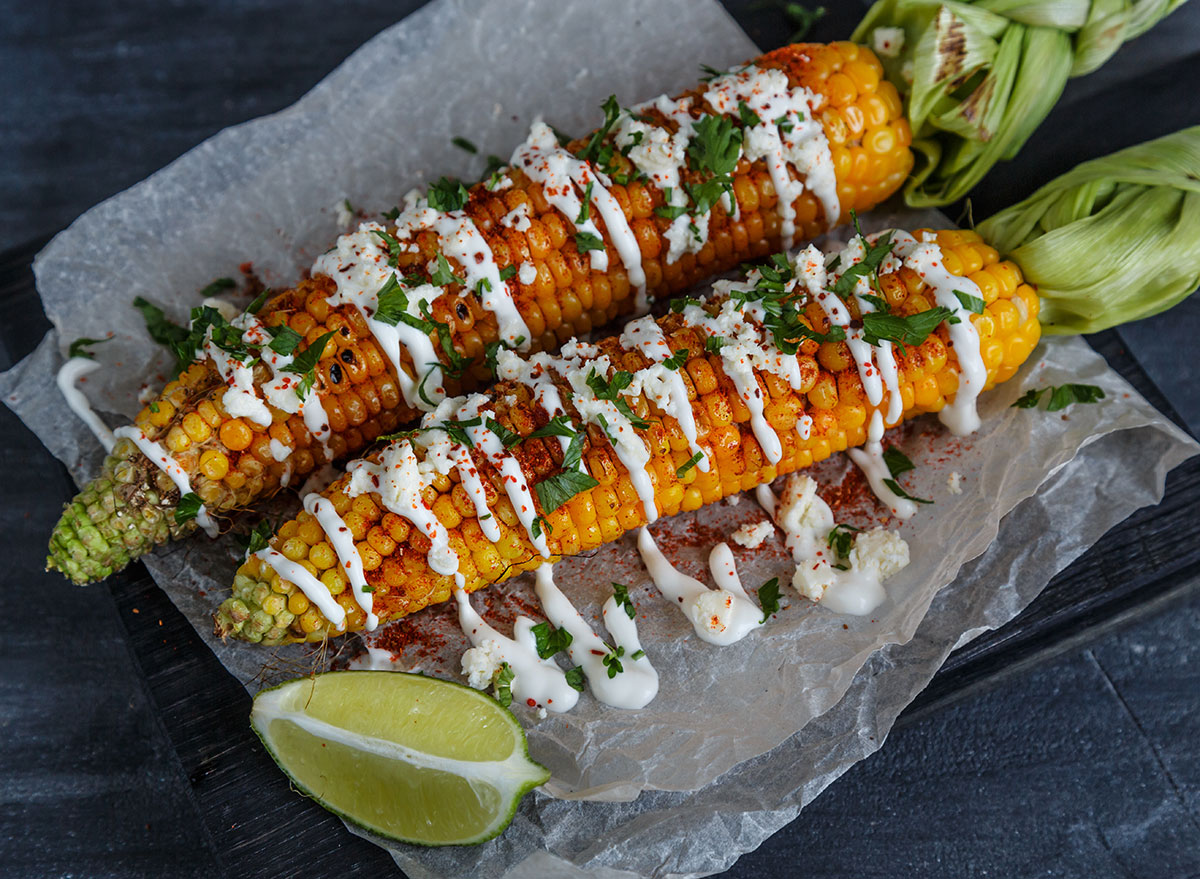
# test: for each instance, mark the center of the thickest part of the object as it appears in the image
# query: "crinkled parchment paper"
(741, 737)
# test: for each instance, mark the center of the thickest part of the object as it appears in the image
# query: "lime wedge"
(408, 757)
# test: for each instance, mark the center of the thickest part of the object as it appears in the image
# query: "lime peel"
(380, 782)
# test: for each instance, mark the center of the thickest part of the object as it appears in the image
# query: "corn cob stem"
(549, 272)
(827, 391)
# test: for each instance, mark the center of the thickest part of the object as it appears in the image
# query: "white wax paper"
(740, 737)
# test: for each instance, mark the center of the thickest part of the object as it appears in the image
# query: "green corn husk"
(1114, 240)
(979, 77)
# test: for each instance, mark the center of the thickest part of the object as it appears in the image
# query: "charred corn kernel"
(836, 402)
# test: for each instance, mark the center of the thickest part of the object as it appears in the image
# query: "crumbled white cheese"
(888, 41)
(227, 309)
(480, 664)
(280, 451)
(541, 713)
(954, 482)
(752, 534)
(345, 216)
(713, 610)
(733, 500)
(879, 553)
(801, 511)
(517, 218)
(812, 578)
(527, 274)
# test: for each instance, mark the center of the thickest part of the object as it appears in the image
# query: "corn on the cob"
(823, 385)
(366, 388)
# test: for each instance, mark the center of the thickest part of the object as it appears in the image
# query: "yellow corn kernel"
(214, 464)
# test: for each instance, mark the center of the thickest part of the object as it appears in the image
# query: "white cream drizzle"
(534, 678)
(342, 541)
(162, 459)
(633, 687)
(807, 521)
(461, 240)
(282, 390)
(870, 460)
(925, 258)
(396, 479)
(314, 590)
(68, 374)
(664, 386)
(358, 266)
(719, 616)
(564, 180)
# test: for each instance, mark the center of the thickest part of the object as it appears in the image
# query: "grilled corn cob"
(545, 266)
(825, 387)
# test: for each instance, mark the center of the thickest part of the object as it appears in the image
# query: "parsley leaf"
(897, 462)
(448, 194)
(536, 528)
(508, 438)
(585, 241)
(900, 492)
(610, 390)
(283, 339)
(188, 508)
(259, 301)
(714, 344)
(556, 490)
(841, 538)
(877, 302)
(502, 684)
(457, 430)
(463, 144)
(612, 661)
(768, 597)
(79, 346)
(444, 276)
(574, 678)
(911, 330)
(1060, 397)
(216, 286)
(716, 146)
(560, 425)
(689, 464)
(676, 360)
(550, 640)
(971, 303)
(392, 302)
(585, 204)
(612, 111)
(749, 117)
(305, 364)
(393, 246)
(258, 538)
(621, 597)
(869, 266)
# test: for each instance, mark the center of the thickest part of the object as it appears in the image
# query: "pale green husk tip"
(979, 76)
(1114, 240)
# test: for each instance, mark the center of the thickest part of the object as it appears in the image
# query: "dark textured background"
(1064, 746)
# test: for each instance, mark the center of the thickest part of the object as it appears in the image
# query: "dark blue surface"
(1085, 765)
